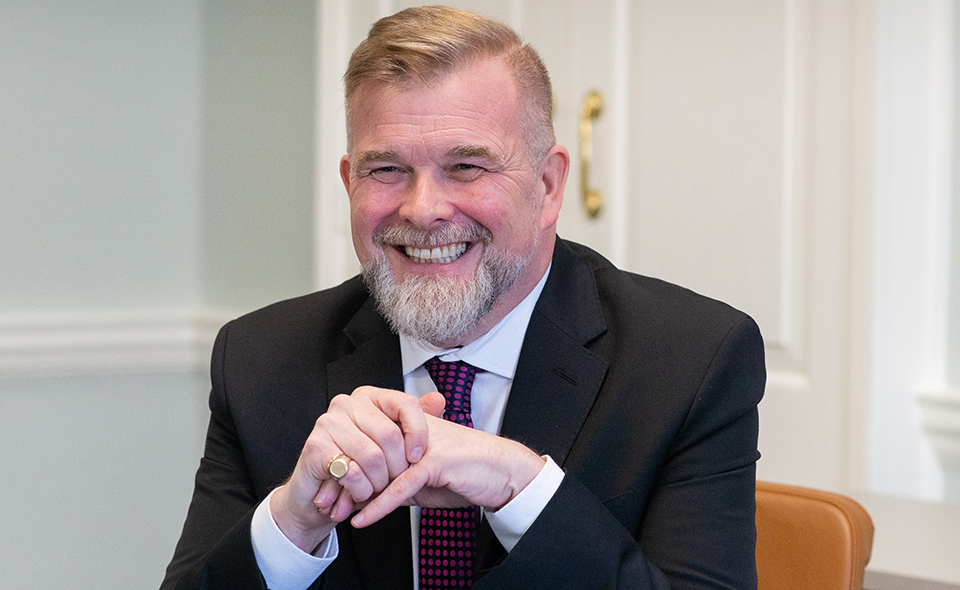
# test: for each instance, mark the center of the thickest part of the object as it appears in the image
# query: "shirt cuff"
(512, 521)
(283, 565)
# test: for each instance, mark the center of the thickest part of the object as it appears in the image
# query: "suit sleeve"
(694, 530)
(215, 551)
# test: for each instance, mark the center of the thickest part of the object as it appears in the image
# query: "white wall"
(96, 474)
(258, 157)
(99, 154)
(99, 169)
(155, 169)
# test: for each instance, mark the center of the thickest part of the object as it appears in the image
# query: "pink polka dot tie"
(448, 535)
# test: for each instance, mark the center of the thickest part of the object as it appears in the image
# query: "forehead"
(477, 101)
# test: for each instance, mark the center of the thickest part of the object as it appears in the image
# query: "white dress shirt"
(286, 567)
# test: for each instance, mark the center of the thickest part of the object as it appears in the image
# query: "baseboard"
(38, 345)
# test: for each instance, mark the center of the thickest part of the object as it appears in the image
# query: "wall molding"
(940, 417)
(56, 344)
(334, 260)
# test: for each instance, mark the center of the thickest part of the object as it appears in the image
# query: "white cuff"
(283, 565)
(512, 521)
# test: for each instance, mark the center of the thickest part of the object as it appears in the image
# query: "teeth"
(438, 255)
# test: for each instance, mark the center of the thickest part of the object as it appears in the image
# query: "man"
(616, 415)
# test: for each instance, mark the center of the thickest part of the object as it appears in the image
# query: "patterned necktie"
(447, 536)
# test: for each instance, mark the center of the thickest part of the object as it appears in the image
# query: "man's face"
(443, 193)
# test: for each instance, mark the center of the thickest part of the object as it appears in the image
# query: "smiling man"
(486, 405)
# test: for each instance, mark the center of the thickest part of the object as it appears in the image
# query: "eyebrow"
(475, 151)
(376, 156)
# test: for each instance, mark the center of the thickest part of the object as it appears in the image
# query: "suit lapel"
(382, 551)
(375, 360)
(557, 378)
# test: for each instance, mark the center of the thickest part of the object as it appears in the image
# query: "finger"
(385, 458)
(356, 483)
(401, 489)
(342, 508)
(313, 483)
(433, 404)
(413, 424)
(327, 496)
(378, 416)
(361, 431)
(404, 410)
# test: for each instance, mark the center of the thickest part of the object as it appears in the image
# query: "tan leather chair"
(810, 539)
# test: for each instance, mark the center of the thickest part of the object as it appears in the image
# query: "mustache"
(399, 235)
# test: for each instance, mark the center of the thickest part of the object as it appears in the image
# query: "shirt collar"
(497, 351)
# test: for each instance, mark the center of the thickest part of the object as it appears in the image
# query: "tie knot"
(454, 380)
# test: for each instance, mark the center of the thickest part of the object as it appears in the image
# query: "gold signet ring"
(337, 467)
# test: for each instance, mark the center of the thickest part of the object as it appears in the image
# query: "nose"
(425, 202)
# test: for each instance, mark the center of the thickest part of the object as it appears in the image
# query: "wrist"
(527, 468)
(306, 534)
(516, 517)
(283, 564)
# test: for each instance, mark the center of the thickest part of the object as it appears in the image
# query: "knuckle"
(322, 421)
(312, 448)
(339, 401)
(325, 426)
(368, 455)
(393, 437)
(409, 403)
(363, 391)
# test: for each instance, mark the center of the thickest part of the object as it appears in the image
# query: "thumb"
(433, 404)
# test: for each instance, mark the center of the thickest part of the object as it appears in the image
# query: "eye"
(465, 172)
(387, 174)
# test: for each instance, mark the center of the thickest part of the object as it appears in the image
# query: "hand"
(382, 431)
(461, 466)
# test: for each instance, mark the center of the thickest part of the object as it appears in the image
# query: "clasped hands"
(403, 453)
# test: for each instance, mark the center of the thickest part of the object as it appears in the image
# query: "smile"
(439, 255)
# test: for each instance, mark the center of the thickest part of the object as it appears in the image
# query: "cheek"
(363, 222)
(371, 203)
(367, 209)
(505, 204)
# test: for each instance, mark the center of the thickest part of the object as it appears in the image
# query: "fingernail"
(358, 520)
(324, 498)
(416, 454)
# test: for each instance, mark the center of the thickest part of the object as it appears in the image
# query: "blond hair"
(423, 45)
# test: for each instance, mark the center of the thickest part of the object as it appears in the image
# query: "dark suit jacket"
(645, 393)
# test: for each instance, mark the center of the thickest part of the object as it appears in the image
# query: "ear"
(553, 175)
(345, 172)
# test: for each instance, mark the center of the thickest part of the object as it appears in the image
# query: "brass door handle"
(589, 110)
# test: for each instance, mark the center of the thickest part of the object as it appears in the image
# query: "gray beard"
(437, 309)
